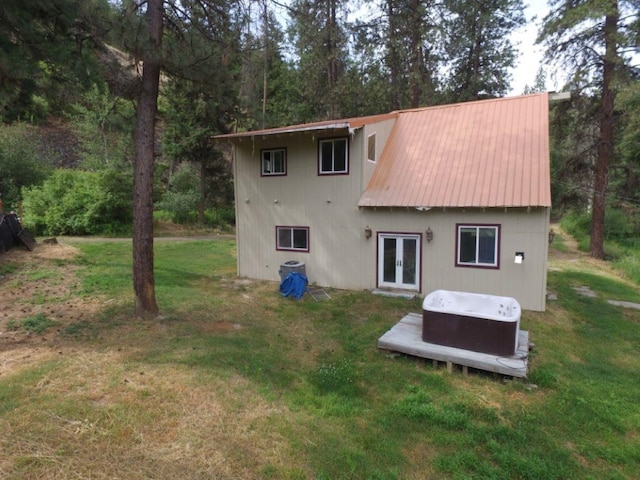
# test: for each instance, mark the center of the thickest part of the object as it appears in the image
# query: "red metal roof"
(489, 153)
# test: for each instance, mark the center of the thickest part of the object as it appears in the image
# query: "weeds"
(38, 323)
(335, 378)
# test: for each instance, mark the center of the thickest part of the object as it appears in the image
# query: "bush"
(21, 163)
(629, 265)
(181, 200)
(222, 217)
(618, 226)
(77, 202)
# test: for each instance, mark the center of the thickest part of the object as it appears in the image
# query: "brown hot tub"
(471, 321)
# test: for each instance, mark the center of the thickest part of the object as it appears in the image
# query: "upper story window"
(333, 156)
(371, 147)
(478, 246)
(292, 238)
(274, 162)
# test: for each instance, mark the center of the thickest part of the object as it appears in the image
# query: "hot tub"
(471, 321)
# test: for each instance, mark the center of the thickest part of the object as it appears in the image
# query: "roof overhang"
(346, 125)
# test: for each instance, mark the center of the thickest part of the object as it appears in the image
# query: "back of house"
(453, 197)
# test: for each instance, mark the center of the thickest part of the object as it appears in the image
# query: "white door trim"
(396, 275)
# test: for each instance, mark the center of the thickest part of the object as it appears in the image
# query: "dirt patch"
(38, 300)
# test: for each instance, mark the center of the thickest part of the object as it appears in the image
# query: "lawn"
(234, 381)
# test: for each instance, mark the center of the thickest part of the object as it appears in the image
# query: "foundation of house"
(406, 337)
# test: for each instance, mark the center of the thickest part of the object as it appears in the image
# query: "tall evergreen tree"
(144, 135)
(590, 38)
(539, 82)
(269, 88)
(319, 40)
(412, 37)
(478, 49)
(47, 53)
(175, 37)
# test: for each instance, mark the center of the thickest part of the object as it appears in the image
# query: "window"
(333, 157)
(274, 162)
(478, 245)
(371, 147)
(292, 238)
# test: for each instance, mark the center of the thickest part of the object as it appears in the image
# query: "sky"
(530, 54)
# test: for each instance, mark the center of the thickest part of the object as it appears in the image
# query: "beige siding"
(382, 130)
(521, 231)
(326, 204)
(340, 255)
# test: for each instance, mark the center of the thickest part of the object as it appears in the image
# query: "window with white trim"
(274, 162)
(292, 238)
(478, 245)
(371, 147)
(333, 156)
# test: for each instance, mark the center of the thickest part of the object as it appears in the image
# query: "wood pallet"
(406, 337)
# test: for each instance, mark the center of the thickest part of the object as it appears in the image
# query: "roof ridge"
(467, 103)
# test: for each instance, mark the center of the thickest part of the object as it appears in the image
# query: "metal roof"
(344, 124)
(489, 153)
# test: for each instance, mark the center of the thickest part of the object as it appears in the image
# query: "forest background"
(70, 89)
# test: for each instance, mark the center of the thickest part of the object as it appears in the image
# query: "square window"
(274, 162)
(478, 245)
(333, 156)
(292, 238)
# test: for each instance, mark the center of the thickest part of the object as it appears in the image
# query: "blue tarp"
(294, 285)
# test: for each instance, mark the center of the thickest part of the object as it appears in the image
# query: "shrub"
(179, 204)
(180, 201)
(77, 202)
(618, 226)
(222, 217)
(630, 266)
(21, 163)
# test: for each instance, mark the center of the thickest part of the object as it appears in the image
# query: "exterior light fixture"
(552, 235)
(367, 232)
(429, 234)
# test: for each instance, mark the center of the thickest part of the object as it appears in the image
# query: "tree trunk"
(417, 60)
(605, 146)
(332, 57)
(203, 190)
(143, 277)
(393, 62)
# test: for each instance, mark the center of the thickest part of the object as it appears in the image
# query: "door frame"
(399, 235)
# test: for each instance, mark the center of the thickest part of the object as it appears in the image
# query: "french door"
(399, 261)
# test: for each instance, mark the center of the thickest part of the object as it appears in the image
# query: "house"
(452, 197)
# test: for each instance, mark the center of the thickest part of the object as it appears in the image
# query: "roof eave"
(425, 208)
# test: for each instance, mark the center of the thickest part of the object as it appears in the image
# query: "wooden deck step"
(406, 337)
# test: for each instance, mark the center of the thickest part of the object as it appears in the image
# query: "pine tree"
(478, 48)
(48, 53)
(590, 38)
(318, 35)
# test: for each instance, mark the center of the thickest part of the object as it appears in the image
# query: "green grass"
(38, 323)
(305, 394)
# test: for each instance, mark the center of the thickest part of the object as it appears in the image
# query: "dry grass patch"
(100, 416)
(43, 284)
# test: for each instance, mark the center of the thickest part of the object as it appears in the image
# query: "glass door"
(398, 261)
